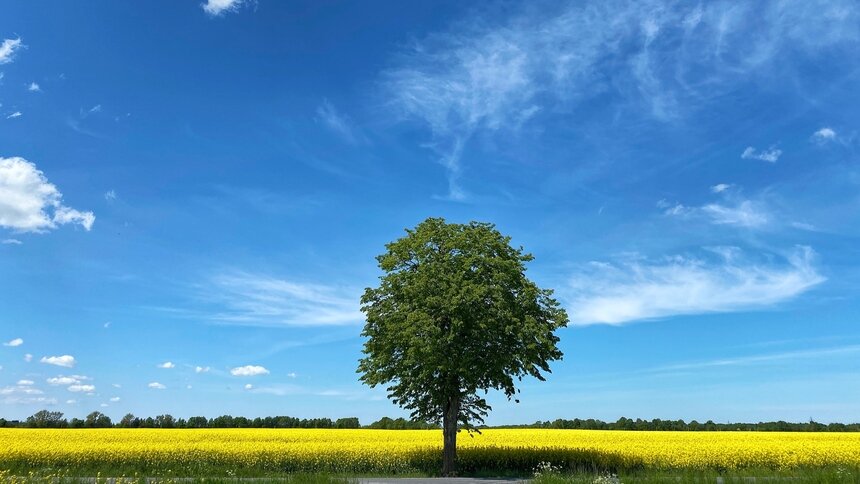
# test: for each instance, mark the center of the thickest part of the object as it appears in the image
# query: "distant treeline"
(48, 419)
(624, 423)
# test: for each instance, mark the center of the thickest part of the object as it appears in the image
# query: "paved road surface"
(440, 480)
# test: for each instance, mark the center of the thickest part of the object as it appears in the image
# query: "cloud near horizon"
(616, 294)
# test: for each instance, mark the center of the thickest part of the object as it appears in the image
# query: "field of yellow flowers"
(267, 451)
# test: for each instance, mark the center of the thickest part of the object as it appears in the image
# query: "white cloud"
(261, 300)
(249, 370)
(745, 214)
(167, 365)
(14, 342)
(20, 390)
(78, 387)
(29, 203)
(217, 7)
(16, 114)
(248, 386)
(292, 374)
(156, 385)
(639, 290)
(110, 195)
(116, 385)
(824, 135)
(734, 211)
(28, 357)
(114, 399)
(67, 361)
(201, 369)
(33, 87)
(770, 155)
(67, 380)
(71, 402)
(490, 76)
(332, 119)
(804, 226)
(765, 358)
(26, 382)
(12, 242)
(8, 48)
(720, 187)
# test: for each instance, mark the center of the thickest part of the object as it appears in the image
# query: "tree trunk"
(449, 437)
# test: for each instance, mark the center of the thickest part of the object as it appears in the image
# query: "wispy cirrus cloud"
(30, 203)
(726, 281)
(756, 359)
(14, 342)
(746, 213)
(263, 300)
(659, 58)
(732, 210)
(337, 122)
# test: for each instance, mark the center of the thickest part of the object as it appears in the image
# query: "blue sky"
(192, 196)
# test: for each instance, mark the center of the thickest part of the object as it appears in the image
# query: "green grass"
(827, 475)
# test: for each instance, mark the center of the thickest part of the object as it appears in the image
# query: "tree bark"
(449, 437)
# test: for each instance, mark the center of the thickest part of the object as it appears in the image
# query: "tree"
(197, 423)
(455, 314)
(97, 420)
(129, 421)
(165, 421)
(45, 419)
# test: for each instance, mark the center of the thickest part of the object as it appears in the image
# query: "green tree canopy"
(453, 317)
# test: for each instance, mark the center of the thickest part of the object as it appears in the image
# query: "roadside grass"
(543, 475)
(823, 475)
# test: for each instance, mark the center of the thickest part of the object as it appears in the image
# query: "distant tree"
(222, 422)
(347, 423)
(128, 421)
(197, 423)
(97, 420)
(45, 419)
(165, 421)
(455, 315)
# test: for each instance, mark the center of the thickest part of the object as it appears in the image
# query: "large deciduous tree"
(453, 317)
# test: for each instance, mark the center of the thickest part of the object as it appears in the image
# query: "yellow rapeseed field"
(202, 452)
